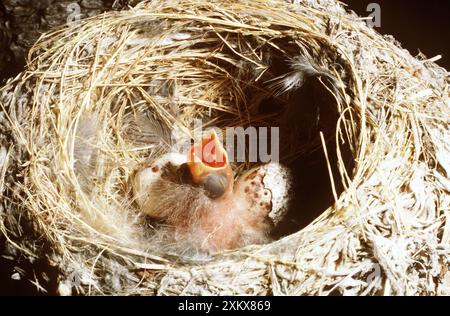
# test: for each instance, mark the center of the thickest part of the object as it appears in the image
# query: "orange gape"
(209, 157)
(210, 152)
(216, 227)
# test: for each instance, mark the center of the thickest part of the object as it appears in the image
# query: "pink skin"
(233, 216)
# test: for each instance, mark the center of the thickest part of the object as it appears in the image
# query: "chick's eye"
(215, 185)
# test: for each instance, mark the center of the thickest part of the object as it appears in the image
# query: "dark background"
(420, 25)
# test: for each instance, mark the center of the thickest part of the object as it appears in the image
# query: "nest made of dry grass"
(388, 233)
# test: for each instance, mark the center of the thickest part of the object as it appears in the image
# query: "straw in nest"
(70, 137)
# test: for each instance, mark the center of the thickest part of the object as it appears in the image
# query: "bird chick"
(197, 196)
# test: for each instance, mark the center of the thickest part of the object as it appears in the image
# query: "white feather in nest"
(309, 94)
(145, 129)
(98, 175)
(86, 148)
(301, 69)
(140, 130)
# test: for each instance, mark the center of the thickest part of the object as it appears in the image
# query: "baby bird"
(197, 196)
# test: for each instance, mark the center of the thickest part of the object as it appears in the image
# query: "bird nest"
(99, 98)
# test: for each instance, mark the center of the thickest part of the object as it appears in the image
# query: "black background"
(420, 25)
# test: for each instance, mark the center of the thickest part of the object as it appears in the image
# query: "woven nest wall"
(70, 143)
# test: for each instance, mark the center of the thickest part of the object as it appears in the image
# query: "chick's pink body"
(211, 211)
(229, 223)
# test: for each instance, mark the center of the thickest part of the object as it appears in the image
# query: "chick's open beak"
(209, 166)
